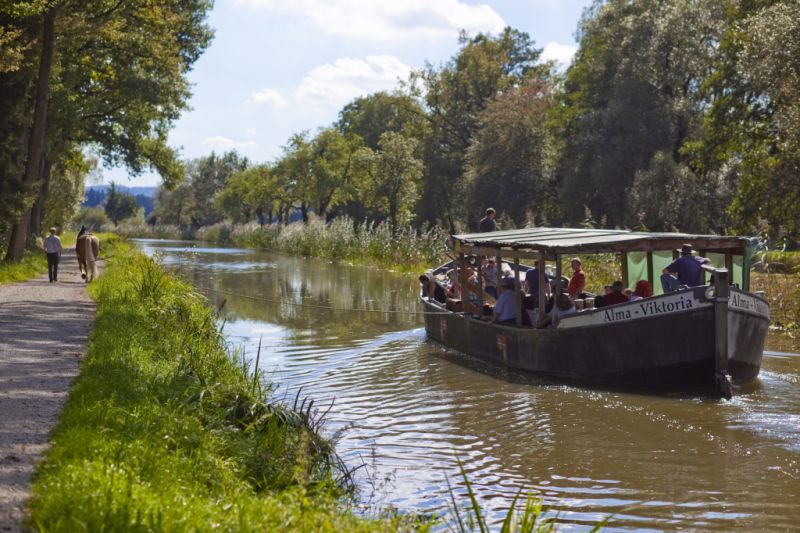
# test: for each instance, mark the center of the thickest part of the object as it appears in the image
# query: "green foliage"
(119, 205)
(511, 161)
(190, 204)
(455, 95)
(91, 217)
(33, 263)
(632, 93)
(165, 431)
(392, 175)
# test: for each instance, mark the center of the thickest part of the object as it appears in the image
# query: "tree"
(120, 206)
(632, 92)
(191, 203)
(511, 162)
(119, 82)
(393, 175)
(769, 146)
(331, 169)
(455, 95)
(372, 115)
(295, 168)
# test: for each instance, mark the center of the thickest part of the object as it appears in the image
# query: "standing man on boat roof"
(578, 280)
(487, 223)
(687, 267)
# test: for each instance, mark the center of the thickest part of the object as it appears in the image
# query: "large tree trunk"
(37, 215)
(19, 234)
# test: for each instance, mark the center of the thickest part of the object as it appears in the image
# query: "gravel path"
(44, 330)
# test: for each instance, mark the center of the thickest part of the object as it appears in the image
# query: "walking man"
(52, 247)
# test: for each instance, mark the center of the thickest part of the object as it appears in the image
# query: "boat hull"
(668, 350)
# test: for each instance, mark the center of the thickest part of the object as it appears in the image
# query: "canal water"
(406, 410)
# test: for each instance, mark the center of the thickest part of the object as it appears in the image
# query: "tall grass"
(529, 518)
(164, 430)
(340, 240)
(783, 293)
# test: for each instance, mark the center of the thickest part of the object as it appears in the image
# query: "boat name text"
(648, 309)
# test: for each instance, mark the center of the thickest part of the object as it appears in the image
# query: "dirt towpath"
(44, 330)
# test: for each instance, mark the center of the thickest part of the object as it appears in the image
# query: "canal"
(406, 410)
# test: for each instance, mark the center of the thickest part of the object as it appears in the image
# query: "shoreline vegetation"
(375, 244)
(408, 250)
(165, 430)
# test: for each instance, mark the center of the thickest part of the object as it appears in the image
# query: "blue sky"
(277, 67)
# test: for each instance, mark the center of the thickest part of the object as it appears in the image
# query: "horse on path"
(87, 248)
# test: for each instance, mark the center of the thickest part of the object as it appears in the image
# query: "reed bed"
(342, 239)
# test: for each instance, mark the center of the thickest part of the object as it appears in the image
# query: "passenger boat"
(704, 338)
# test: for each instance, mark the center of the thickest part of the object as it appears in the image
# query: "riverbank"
(44, 330)
(164, 430)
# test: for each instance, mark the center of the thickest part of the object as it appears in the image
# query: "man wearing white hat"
(52, 247)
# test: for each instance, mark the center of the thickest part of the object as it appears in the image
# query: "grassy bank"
(166, 431)
(33, 263)
(340, 240)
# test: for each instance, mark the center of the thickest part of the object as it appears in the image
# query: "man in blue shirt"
(532, 283)
(687, 267)
(505, 309)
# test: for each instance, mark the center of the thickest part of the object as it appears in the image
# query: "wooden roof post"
(479, 259)
(516, 291)
(650, 268)
(625, 280)
(498, 263)
(462, 280)
(542, 281)
(558, 277)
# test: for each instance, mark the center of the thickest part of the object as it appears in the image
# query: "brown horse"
(87, 248)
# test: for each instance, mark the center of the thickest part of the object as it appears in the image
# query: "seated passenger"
(687, 268)
(628, 292)
(563, 307)
(505, 310)
(600, 300)
(643, 290)
(616, 296)
(432, 288)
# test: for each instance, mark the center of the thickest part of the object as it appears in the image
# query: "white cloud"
(223, 143)
(268, 96)
(250, 131)
(348, 78)
(560, 53)
(389, 19)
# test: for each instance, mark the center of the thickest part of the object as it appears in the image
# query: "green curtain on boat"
(637, 268)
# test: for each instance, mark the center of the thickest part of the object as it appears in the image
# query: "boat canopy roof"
(557, 241)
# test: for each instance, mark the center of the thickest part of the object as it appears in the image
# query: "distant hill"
(96, 196)
(144, 191)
